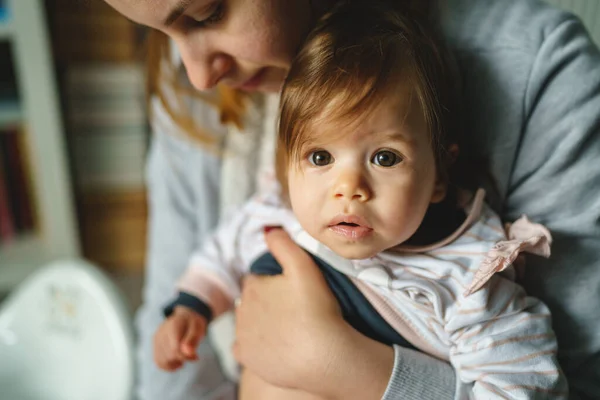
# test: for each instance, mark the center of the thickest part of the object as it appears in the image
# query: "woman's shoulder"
(487, 25)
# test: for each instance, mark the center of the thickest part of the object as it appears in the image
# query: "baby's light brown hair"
(355, 57)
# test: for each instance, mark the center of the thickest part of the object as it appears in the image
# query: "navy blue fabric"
(191, 301)
(356, 309)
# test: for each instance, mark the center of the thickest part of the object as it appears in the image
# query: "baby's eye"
(386, 158)
(320, 158)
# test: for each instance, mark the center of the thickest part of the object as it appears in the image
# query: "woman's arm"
(183, 193)
(556, 181)
(311, 347)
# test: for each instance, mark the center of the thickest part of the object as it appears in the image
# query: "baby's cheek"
(300, 205)
(306, 213)
(401, 222)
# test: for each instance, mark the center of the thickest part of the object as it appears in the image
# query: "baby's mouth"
(350, 227)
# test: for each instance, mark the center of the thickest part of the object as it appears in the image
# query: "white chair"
(65, 334)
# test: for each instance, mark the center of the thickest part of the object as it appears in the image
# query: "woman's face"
(246, 44)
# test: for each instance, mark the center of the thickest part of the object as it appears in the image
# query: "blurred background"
(74, 135)
(73, 139)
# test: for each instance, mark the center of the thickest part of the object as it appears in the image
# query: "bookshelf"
(37, 112)
(99, 56)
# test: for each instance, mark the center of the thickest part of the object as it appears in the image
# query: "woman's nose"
(204, 69)
(352, 185)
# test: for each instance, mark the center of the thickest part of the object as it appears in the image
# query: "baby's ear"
(439, 191)
(453, 152)
(441, 185)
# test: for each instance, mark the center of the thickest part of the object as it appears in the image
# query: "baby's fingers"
(164, 357)
(196, 331)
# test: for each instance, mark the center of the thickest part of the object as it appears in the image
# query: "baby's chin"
(355, 251)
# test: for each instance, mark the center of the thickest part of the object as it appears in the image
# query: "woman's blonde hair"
(356, 55)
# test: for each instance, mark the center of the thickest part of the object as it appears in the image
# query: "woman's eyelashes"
(215, 15)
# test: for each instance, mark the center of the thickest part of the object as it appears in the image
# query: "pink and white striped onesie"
(455, 300)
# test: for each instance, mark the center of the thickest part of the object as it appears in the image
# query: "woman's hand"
(282, 322)
(291, 333)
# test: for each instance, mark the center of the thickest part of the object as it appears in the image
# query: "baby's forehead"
(382, 117)
(358, 131)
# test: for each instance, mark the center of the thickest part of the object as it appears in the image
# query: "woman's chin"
(271, 87)
(272, 80)
(266, 88)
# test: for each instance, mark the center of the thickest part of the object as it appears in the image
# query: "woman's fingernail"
(267, 229)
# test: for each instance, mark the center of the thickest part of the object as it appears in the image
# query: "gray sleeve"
(417, 376)
(556, 182)
(182, 184)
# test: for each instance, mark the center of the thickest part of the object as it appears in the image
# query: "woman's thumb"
(293, 259)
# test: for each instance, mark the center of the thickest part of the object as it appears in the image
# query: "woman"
(532, 93)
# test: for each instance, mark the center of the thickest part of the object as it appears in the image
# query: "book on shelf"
(8, 81)
(92, 27)
(101, 79)
(28, 176)
(107, 125)
(81, 7)
(16, 182)
(131, 115)
(7, 229)
(113, 227)
(85, 51)
(92, 32)
(4, 12)
(10, 107)
(109, 161)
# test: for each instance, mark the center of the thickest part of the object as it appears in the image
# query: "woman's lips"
(350, 227)
(254, 82)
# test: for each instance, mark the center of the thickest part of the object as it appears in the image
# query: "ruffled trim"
(523, 236)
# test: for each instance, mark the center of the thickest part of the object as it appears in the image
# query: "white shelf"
(39, 113)
(20, 258)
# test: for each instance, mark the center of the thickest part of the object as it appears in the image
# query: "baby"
(368, 173)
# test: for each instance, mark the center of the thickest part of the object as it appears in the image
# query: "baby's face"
(366, 188)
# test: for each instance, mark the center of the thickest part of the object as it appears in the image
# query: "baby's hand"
(177, 338)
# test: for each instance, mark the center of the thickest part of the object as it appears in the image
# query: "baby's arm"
(503, 345)
(206, 290)
(213, 278)
(212, 281)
